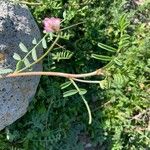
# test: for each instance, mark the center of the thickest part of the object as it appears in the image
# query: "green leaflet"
(50, 37)
(65, 85)
(106, 47)
(64, 14)
(23, 47)
(26, 62)
(65, 35)
(117, 61)
(101, 57)
(34, 41)
(70, 93)
(16, 56)
(82, 91)
(119, 80)
(44, 44)
(34, 55)
(19, 65)
(124, 41)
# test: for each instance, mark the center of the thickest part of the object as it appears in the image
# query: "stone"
(139, 2)
(16, 25)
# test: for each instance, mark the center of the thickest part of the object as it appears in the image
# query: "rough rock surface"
(16, 25)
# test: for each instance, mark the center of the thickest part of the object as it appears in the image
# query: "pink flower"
(51, 24)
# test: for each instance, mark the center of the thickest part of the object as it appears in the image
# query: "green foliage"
(120, 106)
(101, 57)
(62, 55)
(106, 47)
(127, 97)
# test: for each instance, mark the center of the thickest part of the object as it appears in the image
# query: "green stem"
(84, 100)
(72, 26)
(39, 59)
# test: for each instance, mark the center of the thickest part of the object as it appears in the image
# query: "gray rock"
(16, 25)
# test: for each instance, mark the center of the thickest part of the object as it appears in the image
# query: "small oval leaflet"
(44, 44)
(23, 47)
(34, 41)
(65, 85)
(34, 55)
(26, 62)
(19, 65)
(70, 93)
(82, 91)
(16, 56)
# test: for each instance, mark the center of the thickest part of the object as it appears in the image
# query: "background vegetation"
(120, 105)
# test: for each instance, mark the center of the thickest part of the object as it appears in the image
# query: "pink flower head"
(51, 24)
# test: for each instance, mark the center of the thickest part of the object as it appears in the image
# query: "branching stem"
(84, 100)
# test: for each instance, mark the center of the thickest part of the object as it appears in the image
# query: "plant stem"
(72, 26)
(60, 46)
(86, 81)
(60, 74)
(84, 100)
